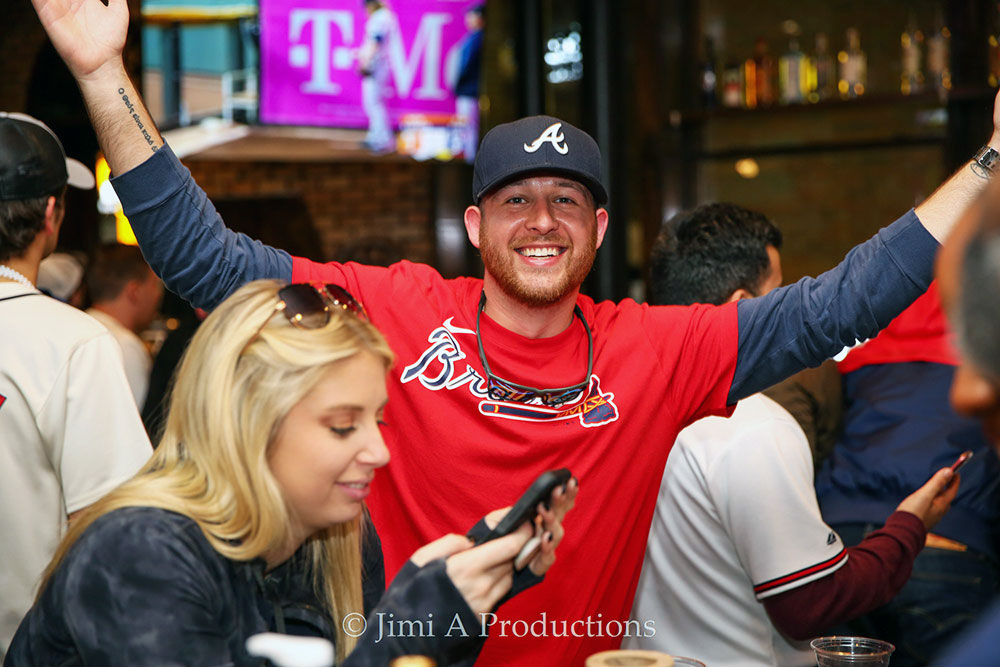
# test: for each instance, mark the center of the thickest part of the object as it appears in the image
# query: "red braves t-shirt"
(457, 454)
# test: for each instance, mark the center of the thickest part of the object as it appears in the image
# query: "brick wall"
(347, 202)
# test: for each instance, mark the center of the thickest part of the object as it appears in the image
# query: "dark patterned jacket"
(142, 586)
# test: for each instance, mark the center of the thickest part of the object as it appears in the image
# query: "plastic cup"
(849, 651)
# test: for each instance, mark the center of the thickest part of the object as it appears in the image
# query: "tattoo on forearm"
(979, 170)
(130, 109)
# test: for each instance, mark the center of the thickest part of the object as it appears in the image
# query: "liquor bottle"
(853, 67)
(793, 73)
(823, 77)
(994, 46)
(748, 74)
(732, 85)
(911, 41)
(938, 69)
(766, 71)
(709, 79)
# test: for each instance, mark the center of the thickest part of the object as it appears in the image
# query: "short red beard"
(501, 265)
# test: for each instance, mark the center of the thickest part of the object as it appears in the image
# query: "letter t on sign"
(318, 59)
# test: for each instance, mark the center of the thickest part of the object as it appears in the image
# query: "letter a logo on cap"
(551, 135)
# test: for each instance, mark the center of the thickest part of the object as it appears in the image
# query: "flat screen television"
(342, 63)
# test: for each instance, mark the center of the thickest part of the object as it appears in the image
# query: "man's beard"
(536, 286)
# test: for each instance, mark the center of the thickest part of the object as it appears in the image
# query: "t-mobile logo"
(323, 41)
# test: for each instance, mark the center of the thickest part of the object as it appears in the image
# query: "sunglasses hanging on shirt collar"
(499, 389)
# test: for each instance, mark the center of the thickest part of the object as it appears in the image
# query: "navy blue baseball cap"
(534, 144)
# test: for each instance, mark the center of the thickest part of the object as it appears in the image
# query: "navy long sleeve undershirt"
(791, 328)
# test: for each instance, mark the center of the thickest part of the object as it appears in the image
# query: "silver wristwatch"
(988, 159)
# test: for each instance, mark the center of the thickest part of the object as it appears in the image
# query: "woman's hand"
(483, 574)
(549, 526)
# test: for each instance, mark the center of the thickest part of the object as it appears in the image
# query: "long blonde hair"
(243, 371)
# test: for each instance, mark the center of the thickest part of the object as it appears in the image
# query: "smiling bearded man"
(543, 266)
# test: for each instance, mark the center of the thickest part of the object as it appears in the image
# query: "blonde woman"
(249, 516)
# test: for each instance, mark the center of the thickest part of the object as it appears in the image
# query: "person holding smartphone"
(250, 516)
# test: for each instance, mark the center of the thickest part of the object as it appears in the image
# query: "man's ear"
(473, 219)
(602, 225)
(51, 224)
(133, 290)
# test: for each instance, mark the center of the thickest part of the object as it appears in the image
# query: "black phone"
(526, 506)
(962, 459)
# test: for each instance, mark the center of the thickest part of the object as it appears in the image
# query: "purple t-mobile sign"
(310, 65)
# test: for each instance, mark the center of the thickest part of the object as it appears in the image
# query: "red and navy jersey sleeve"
(873, 572)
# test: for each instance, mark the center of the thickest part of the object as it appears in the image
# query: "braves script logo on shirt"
(439, 368)
(551, 135)
(2, 400)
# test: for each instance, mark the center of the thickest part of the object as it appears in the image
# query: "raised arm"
(941, 210)
(800, 326)
(180, 233)
(90, 37)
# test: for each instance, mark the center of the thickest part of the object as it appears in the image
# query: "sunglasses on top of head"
(310, 305)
